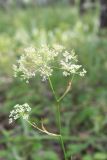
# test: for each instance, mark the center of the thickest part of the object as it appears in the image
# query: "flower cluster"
(43, 60)
(69, 66)
(19, 111)
(35, 61)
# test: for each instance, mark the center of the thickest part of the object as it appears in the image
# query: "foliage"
(83, 110)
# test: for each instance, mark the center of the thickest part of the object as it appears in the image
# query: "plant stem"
(43, 129)
(52, 89)
(67, 89)
(58, 118)
(60, 132)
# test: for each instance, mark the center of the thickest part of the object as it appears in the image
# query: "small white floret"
(19, 111)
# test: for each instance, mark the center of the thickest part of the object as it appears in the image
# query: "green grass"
(83, 110)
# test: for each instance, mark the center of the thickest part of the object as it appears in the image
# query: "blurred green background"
(79, 25)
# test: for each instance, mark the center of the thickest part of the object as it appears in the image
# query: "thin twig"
(43, 129)
(67, 89)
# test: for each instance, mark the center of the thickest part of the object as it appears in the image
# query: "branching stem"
(58, 119)
(43, 129)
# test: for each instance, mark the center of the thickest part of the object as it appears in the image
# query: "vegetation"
(83, 110)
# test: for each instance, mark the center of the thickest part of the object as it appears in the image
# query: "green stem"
(52, 89)
(58, 118)
(67, 89)
(60, 132)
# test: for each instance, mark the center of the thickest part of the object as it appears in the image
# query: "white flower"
(83, 72)
(30, 50)
(19, 111)
(25, 116)
(69, 64)
(70, 56)
(45, 71)
(65, 73)
(35, 61)
(44, 60)
(10, 120)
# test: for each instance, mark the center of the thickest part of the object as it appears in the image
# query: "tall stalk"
(58, 101)
(60, 131)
